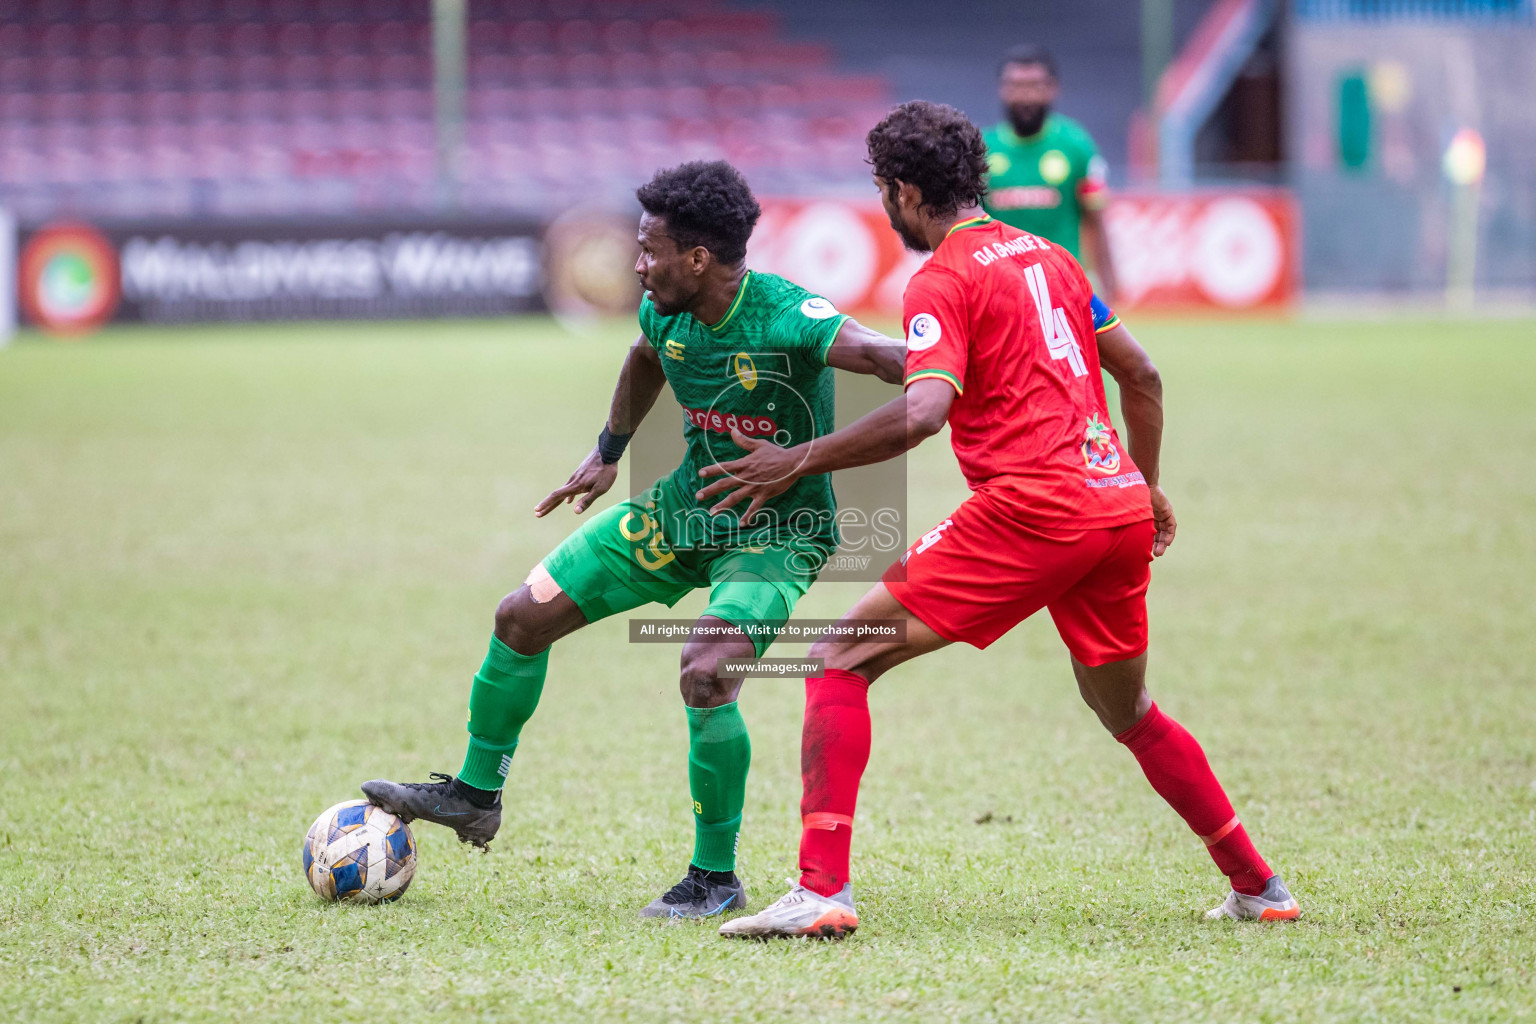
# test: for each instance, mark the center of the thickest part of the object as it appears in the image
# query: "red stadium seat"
(297, 38)
(641, 101)
(60, 40)
(687, 102)
(622, 35)
(723, 66)
(210, 72)
(16, 74)
(256, 105)
(586, 69)
(342, 38)
(15, 41)
(16, 107)
(108, 74)
(631, 67)
(251, 38)
(60, 73)
(540, 69)
(255, 72)
(159, 73)
(106, 108)
(205, 39)
(301, 71)
(58, 108)
(492, 70)
(404, 69)
(485, 36)
(106, 39)
(549, 102)
(390, 37)
(567, 97)
(531, 37)
(165, 107)
(353, 105)
(400, 104)
(576, 36)
(211, 105)
(154, 39)
(305, 104)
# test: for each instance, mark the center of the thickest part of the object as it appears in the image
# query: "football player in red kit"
(1063, 515)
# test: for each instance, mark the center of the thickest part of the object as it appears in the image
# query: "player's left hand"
(1162, 518)
(765, 472)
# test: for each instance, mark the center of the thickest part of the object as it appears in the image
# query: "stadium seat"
(253, 92)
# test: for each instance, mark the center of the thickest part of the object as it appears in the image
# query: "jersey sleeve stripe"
(940, 374)
(826, 346)
(1109, 325)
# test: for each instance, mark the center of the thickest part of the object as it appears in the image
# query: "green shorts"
(619, 560)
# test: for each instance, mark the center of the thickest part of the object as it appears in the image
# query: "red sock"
(834, 748)
(1177, 768)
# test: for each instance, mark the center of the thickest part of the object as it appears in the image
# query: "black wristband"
(610, 446)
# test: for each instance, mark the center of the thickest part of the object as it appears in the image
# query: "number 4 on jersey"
(1053, 323)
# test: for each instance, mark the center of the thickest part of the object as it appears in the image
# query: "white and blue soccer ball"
(359, 853)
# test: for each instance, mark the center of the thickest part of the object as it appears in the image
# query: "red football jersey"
(1004, 317)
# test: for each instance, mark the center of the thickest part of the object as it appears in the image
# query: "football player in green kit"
(1045, 175)
(742, 350)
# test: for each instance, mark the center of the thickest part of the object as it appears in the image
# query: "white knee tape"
(541, 585)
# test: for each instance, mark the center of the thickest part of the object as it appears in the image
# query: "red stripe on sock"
(834, 750)
(1221, 833)
(825, 819)
(1178, 770)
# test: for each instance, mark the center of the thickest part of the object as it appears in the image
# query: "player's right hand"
(590, 481)
(1162, 518)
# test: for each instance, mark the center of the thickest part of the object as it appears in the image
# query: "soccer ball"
(359, 853)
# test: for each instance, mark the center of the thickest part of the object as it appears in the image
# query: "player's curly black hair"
(934, 147)
(704, 202)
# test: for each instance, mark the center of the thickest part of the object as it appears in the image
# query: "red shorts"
(978, 574)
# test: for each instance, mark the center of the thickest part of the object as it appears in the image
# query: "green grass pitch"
(244, 569)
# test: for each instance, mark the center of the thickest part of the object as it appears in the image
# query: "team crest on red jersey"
(1099, 451)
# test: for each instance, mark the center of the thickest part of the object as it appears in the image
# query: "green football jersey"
(1040, 184)
(762, 370)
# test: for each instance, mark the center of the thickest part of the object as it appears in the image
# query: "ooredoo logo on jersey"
(70, 282)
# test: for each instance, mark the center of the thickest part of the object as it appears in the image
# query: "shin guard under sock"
(834, 750)
(505, 692)
(1177, 768)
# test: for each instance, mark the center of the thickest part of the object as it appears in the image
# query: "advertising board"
(1232, 250)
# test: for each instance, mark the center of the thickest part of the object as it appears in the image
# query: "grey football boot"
(700, 894)
(1275, 903)
(442, 801)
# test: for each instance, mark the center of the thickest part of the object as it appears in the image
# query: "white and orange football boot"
(1275, 903)
(799, 912)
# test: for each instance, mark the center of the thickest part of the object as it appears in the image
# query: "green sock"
(719, 754)
(506, 691)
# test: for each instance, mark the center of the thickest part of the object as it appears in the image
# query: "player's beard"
(1028, 118)
(913, 242)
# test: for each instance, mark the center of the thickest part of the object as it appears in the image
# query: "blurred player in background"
(742, 351)
(1001, 345)
(1045, 173)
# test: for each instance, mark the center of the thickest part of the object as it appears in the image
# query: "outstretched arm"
(1141, 406)
(859, 349)
(1103, 262)
(640, 382)
(898, 425)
